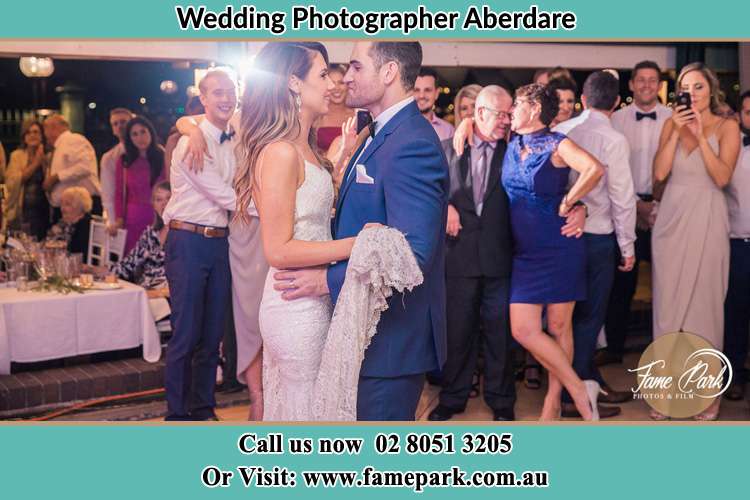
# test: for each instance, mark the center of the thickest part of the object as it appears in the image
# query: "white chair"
(116, 248)
(97, 244)
(103, 247)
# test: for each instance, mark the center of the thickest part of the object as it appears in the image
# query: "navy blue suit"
(409, 193)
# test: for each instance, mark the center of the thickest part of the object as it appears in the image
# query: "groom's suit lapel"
(361, 141)
(378, 141)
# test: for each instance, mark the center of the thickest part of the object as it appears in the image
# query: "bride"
(290, 183)
(282, 175)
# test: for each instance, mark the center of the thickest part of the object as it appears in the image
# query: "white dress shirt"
(738, 195)
(203, 197)
(380, 122)
(74, 162)
(643, 138)
(568, 125)
(611, 204)
(107, 175)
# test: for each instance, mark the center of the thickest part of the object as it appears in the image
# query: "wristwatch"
(579, 203)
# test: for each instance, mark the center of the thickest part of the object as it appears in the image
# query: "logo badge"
(680, 374)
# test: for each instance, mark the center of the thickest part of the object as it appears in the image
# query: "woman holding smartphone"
(697, 152)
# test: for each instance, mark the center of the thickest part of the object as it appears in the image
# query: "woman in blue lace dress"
(548, 268)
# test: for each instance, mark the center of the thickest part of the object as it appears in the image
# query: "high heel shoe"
(710, 414)
(593, 389)
(657, 416)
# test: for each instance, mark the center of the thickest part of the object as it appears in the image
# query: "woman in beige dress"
(690, 240)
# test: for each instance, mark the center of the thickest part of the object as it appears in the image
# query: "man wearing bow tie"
(737, 304)
(641, 124)
(197, 255)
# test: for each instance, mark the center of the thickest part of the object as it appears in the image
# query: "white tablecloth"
(38, 326)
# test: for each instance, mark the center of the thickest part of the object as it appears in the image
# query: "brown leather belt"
(206, 231)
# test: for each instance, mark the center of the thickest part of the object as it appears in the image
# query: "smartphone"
(363, 119)
(683, 99)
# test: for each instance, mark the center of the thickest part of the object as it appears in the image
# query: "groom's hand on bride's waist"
(295, 284)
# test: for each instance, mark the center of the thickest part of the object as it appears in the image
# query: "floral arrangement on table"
(59, 284)
(55, 273)
(47, 262)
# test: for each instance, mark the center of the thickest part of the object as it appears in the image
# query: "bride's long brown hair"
(269, 112)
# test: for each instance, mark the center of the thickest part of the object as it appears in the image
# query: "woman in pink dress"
(328, 127)
(138, 170)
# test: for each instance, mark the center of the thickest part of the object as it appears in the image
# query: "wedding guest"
(478, 261)
(138, 170)
(610, 225)
(641, 123)
(73, 164)
(197, 255)
(426, 93)
(2, 162)
(697, 152)
(118, 121)
(144, 264)
(566, 90)
(25, 205)
(192, 107)
(463, 104)
(75, 221)
(541, 76)
(329, 126)
(544, 75)
(737, 304)
(559, 72)
(548, 268)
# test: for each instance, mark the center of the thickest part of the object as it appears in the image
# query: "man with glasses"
(478, 261)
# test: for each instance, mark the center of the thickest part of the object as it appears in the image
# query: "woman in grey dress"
(696, 157)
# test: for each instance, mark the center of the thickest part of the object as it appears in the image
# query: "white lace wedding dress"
(294, 332)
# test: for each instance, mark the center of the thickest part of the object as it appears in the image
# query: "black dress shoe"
(203, 415)
(503, 415)
(736, 392)
(569, 411)
(614, 397)
(604, 357)
(227, 387)
(442, 413)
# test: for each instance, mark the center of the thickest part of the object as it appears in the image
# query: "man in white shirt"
(426, 93)
(610, 224)
(641, 124)
(73, 164)
(118, 120)
(737, 304)
(197, 255)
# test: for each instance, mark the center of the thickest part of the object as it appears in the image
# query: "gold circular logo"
(680, 374)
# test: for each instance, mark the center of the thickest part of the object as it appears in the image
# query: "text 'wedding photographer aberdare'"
(310, 18)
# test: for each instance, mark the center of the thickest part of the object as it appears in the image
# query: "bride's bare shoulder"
(280, 152)
(281, 160)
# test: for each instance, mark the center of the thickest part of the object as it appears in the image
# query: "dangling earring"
(298, 100)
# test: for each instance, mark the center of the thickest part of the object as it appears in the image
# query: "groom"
(397, 177)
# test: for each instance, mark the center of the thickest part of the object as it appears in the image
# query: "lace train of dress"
(382, 261)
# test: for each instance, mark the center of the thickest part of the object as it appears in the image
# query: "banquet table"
(39, 326)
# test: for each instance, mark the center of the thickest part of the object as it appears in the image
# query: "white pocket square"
(362, 177)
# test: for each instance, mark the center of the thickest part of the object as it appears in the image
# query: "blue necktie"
(226, 137)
